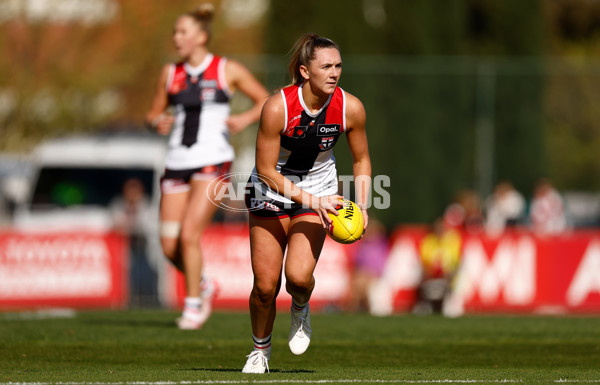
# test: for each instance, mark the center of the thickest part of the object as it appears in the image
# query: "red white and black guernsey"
(307, 140)
(200, 100)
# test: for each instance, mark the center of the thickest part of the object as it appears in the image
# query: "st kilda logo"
(328, 133)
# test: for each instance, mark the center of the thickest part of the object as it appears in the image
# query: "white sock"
(297, 306)
(192, 303)
(263, 345)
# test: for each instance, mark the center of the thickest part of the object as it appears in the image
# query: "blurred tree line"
(459, 93)
(65, 74)
(463, 93)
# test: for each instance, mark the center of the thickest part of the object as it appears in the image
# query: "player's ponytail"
(203, 15)
(303, 53)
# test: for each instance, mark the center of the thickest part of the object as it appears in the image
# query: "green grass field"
(145, 348)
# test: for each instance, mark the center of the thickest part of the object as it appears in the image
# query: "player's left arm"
(359, 148)
(240, 78)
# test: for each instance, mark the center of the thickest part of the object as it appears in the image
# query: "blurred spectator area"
(582, 208)
(16, 172)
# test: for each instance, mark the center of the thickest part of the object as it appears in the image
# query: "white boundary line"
(341, 381)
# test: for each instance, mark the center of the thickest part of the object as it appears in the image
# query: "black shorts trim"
(175, 181)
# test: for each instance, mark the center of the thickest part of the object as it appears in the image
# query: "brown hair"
(303, 53)
(203, 15)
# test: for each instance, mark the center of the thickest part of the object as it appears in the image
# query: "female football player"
(294, 186)
(197, 91)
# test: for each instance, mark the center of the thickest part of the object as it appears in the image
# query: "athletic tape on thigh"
(170, 229)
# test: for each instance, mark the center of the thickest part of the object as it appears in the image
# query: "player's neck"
(313, 101)
(197, 57)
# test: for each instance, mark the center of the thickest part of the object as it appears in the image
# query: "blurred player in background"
(440, 252)
(505, 208)
(547, 213)
(294, 186)
(197, 91)
(131, 212)
(368, 262)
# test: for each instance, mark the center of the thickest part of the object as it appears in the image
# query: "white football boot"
(190, 320)
(193, 319)
(257, 363)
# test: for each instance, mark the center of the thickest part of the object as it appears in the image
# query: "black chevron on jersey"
(305, 144)
(191, 98)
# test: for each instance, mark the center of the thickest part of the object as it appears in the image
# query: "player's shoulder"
(177, 66)
(274, 103)
(353, 104)
(272, 117)
(167, 67)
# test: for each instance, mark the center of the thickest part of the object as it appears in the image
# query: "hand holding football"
(347, 227)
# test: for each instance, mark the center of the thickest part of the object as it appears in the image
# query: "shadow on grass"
(237, 370)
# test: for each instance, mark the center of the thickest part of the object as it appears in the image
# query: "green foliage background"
(430, 74)
(417, 75)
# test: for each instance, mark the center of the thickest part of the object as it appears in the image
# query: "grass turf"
(145, 347)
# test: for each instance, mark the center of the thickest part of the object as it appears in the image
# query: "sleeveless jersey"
(307, 140)
(200, 100)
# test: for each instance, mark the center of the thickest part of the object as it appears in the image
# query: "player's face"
(325, 69)
(187, 35)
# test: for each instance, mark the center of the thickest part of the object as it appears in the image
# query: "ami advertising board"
(516, 272)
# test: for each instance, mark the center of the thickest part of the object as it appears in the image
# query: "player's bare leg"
(268, 242)
(305, 242)
(172, 207)
(198, 214)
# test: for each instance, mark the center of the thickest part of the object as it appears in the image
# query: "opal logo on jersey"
(209, 83)
(328, 129)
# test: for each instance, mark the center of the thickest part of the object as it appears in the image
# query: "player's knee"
(296, 282)
(264, 293)
(170, 230)
(169, 248)
(189, 237)
(169, 238)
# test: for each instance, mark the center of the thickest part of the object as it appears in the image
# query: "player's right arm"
(156, 118)
(268, 144)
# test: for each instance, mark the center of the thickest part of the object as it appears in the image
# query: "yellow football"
(347, 227)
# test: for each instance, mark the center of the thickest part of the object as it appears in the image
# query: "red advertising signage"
(520, 271)
(62, 269)
(517, 271)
